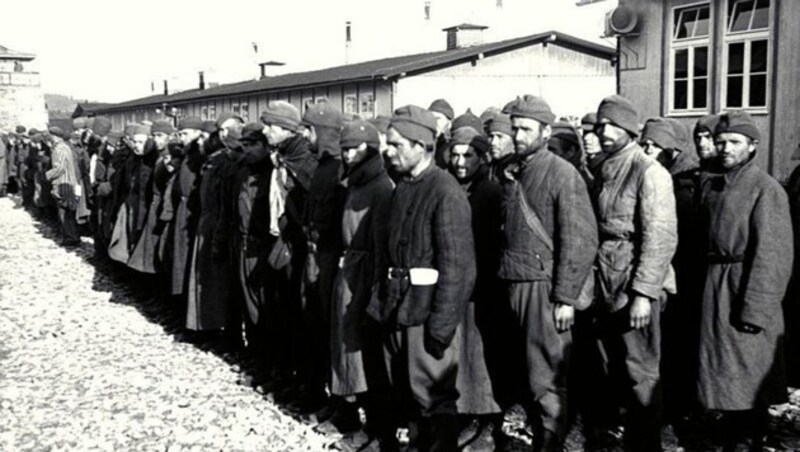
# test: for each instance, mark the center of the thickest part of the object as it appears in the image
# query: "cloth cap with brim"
(471, 137)
(707, 123)
(468, 119)
(20, 129)
(226, 115)
(80, 123)
(566, 132)
(443, 107)
(501, 123)
(190, 122)
(620, 112)
(661, 132)
(381, 123)
(738, 121)
(533, 107)
(253, 132)
(588, 121)
(57, 131)
(209, 126)
(415, 123)
(282, 114)
(359, 131)
(101, 126)
(141, 129)
(323, 114)
(162, 126)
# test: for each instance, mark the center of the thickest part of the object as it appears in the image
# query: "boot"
(442, 433)
(345, 420)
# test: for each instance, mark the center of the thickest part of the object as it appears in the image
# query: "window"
(307, 102)
(689, 62)
(235, 108)
(350, 104)
(244, 111)
(204, 112)
(746, 54)
(212, 112)
(367, 105)
(321, 99)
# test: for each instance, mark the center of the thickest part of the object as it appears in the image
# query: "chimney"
(202, 79)
(166, 88)
(464, 35)
(428, 10)
(152, 86)
(347, 41)
(263, 66)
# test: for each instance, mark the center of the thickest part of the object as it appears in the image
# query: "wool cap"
(506, 110)
(661, 132)
(737, 121)
(501, 123)
(57, 131)
(141, 129)
(620, 112)
(471, 137)
(283, 114)
(415, 123)
(162, 126)
(115, 136)
(129, 128)
(443, 107)
(101, 126)
(588, 121)
(359, 131)
(253, 131)
(489, 114)
(209, 126)
(533, 107)
(468, 119)
(36, 137)
(565, 131)
(190, 122)
(20, 129)
(323, 114)
(32, 131)
(80, 122)
(381, 123)
(707, 123)
(226, 115)
(681, 134)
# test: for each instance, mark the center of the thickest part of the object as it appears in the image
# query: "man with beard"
(289, 185)
(64, 181)
(502, 142)
(431, 273)
(483, 382)
(635, 208)
(550, 244)
(323, 227)
(106, 162)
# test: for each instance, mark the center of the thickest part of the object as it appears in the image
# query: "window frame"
(747, 38)
(355, 102)
(690, 44)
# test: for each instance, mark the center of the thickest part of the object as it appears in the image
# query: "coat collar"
(365, 172)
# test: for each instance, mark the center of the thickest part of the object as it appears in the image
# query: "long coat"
(184, 199)
(210, 272)
(364, 229)
(142, 219)
(746, 215)
(4, 164)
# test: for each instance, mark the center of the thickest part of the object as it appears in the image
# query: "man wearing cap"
(357, 366)
(635, 208)
(566, 142)
(444, 115)
(323, 227)
(591, 142)
(103, 164)
(4, 167)
(502, 142)
(749, 262)
(64, 181)
(483, 382)
(550, 244)
(24, 169)
(429, 279)
(288, 190)
(382, 124)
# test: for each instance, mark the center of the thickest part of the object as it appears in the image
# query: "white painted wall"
(572, 83)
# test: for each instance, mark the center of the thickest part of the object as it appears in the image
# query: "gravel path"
(81, 367)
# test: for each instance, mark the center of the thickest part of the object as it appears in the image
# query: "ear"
(547, 131)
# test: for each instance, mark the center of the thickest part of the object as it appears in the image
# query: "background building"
(571, 73)
(21, 98)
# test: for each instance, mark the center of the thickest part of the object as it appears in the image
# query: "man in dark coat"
(502, 141)
(323, 226)
(550, 245)
(106, 161)
(431, 274)
(444, 115)
(635, 207)
(749, 262)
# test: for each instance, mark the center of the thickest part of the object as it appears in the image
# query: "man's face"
(529, 135)
(403, 154)
(704, 145)
(224, 129)
(502, 145)
(565, 149)
(442, 122)
(613, 138)
(354, 156)
(189, 135)
(139, 141)
(464, 161)
(254, 150)
(733, 149)
(276, 134)
(591, 143)
(652, 149)
(160, 139)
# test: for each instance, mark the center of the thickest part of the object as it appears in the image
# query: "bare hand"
(564, 316)
(640, 312)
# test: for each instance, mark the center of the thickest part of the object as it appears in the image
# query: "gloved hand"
(434, 347)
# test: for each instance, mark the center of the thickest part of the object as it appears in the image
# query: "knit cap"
(468, 119)
(737, 121)
(471, 137)
(190, 122)
(323, 114)
(620, 112)
(162, 126)
(381, 123)
(101, 126)
(359, 131)
(415, 124)
(707, 123)
(661, 132)
(501, 123)
(443, 107)
(283, 114)
(533, 107)
(226, 115)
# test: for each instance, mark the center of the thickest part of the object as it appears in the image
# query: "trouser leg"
(69, 225)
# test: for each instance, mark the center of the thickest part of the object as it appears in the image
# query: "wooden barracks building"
(571, 73)
(688, 58)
